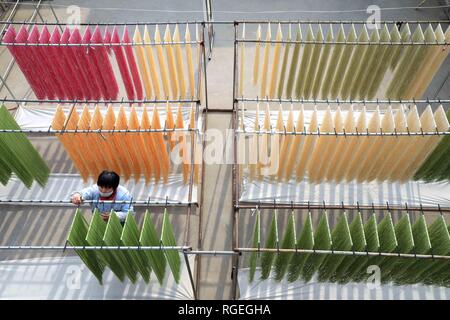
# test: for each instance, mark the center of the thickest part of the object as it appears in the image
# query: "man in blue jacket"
(106, 189)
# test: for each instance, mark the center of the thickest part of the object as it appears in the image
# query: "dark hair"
(108, 179)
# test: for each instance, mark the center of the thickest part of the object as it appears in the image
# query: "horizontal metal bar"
(120, 101)
(59, 248)
(359, 134)
(39, 202)
(334, 21)
(260, 205)
(105, 23)
(408, 43)
(133, 44)
(213, 252)
(347, 253)
(64, 131)
(231, 22)
(337, 101)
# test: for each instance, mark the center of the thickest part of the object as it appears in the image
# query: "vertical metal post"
(204, 66)
(188, 265)
(208, 17)
(235, 188)
(200, 207)
(235, 274)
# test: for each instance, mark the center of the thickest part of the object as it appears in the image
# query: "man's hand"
(105, 216)
(76, 199)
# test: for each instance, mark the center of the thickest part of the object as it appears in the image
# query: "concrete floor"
(215, 281)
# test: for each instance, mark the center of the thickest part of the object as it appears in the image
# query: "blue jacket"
(121, 209)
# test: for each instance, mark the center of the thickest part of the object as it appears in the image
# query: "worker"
(106, 189)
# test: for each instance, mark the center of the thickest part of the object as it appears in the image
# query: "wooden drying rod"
(252, 205)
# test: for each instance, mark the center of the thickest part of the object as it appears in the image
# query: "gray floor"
(216, 229)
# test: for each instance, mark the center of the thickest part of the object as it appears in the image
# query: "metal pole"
(310, 206)
(314, 22)
(378, 101)
(60, 248)
(204, 68)
(128, 44)
(188, 265)
(66, 131)
(141, 203)
(445, 22)
(121, 101)
(235, 178)
(345, 134)
(213, 252)
(406, 43)
(346, 253)
(200, 208)
(193, 140)
(235, 276)
(209, 17)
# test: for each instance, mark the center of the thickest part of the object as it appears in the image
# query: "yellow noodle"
(308, 147)
(365, 145)
(318, 154)
(256, 60)
(160, 145)
(353, 144)
(142, 152)
(145, 71)
(152, 65)
(117, 148)
(69, 144)
(342, 147)
(181, 138)
(408, 147)
(331, 148)
(265, 66)
(286, 144)
(171, 64)
(297, 143)
(103, 144)
(128, 144)
(187, 38)
(396, 147)
(275, 64)
(151, 144)
(179, 64)
(380, 148)
(162, 64)
(91, 153)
